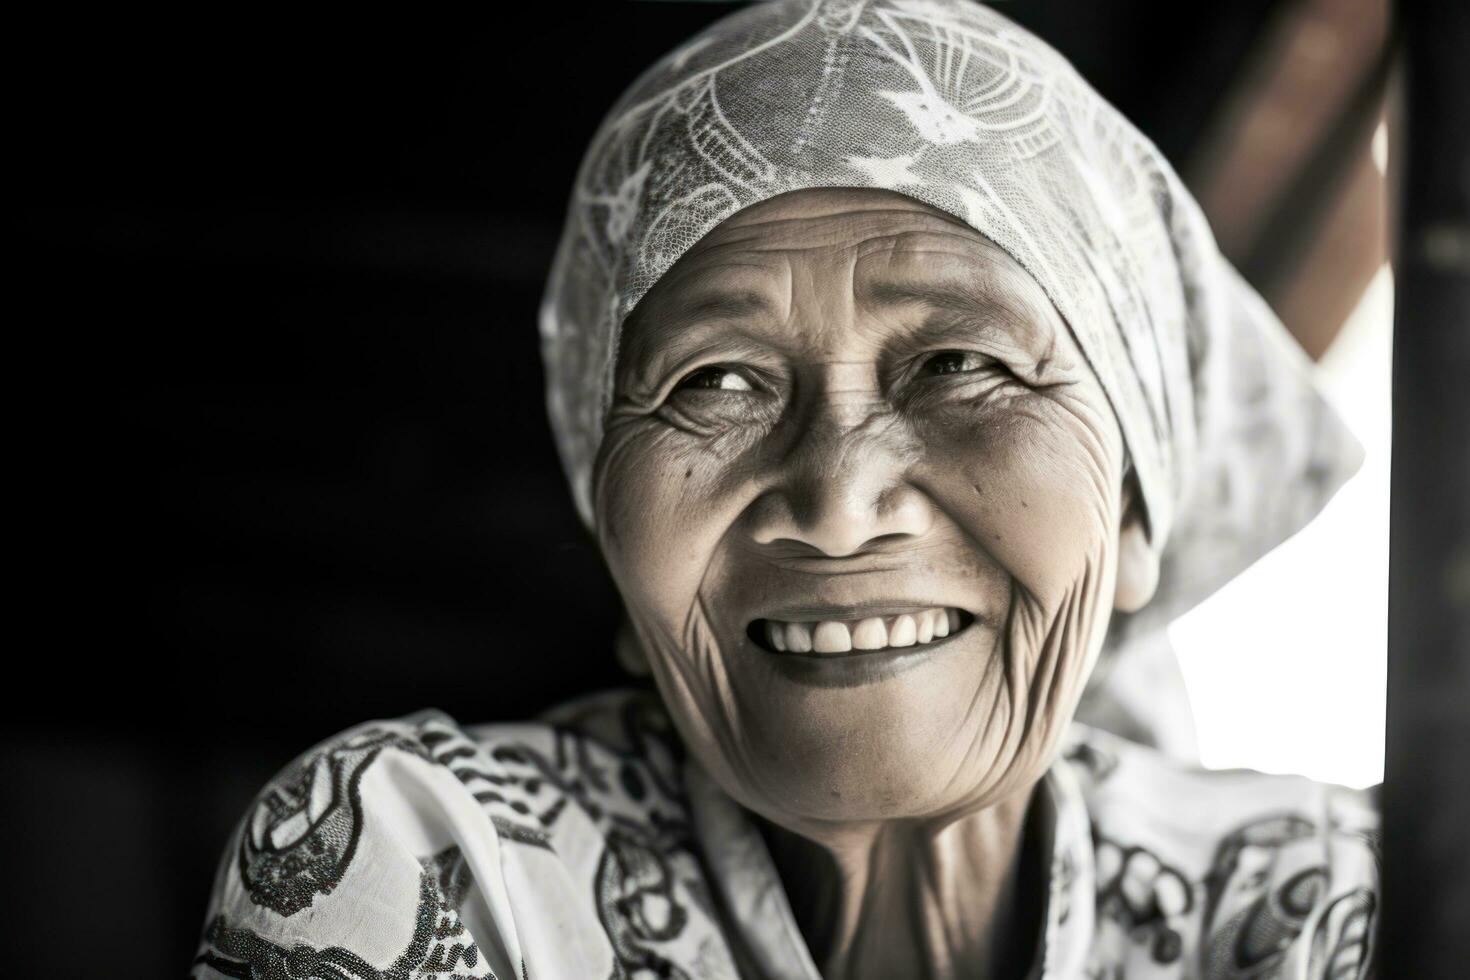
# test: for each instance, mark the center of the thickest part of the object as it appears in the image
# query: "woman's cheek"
(659, 517)
(1034, 491)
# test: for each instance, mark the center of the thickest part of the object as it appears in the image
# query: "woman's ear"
(630, 652)
(1138, 565)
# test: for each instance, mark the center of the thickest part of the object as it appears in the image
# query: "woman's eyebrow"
(681, 328)
(957, 307)
(949, 295)
(721, 304)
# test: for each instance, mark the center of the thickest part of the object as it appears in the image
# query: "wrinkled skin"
(845, 399)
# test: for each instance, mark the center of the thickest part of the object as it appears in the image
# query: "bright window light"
(1286, 665)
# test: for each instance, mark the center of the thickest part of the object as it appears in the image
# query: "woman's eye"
(714, 379)
(952, 362)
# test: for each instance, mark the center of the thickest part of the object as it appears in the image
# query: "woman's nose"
(842, 493)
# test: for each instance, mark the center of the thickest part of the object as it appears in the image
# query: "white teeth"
(776, 636)
(941, 622)
(872, 633)
(831, 638)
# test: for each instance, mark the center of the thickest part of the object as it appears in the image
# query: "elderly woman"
(901, 383)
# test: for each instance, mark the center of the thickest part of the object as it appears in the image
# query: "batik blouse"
(586, 845)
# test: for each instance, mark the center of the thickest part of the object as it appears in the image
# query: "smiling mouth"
(835, 637)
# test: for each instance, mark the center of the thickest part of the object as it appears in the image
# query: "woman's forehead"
(879, 244)
(835, 219)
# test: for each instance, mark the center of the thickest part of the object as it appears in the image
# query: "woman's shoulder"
(420, 843)
(1122, 779)
(1239, 870)
(599, 752)
(616, 743)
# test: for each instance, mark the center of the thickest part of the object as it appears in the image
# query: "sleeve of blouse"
(349, 864)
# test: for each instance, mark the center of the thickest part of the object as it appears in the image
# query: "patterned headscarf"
(951, 104)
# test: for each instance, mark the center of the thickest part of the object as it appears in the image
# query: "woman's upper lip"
(820, 612)
(826, 566)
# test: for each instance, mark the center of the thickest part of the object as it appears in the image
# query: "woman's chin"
(872, 735)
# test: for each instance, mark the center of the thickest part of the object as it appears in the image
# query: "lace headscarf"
(950, 103)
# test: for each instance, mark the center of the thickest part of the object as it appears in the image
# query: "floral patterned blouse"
(586, 846)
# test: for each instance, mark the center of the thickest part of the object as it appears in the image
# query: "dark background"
(294, 469)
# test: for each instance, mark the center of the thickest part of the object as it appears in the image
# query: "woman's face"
(864, 500)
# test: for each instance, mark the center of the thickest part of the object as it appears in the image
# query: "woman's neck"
(910, 899)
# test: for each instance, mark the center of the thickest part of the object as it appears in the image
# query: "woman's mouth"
(834, 637)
